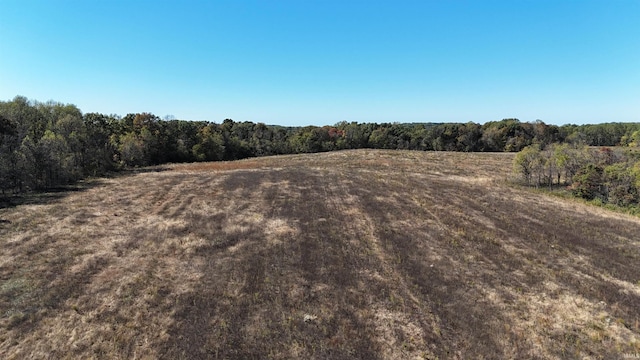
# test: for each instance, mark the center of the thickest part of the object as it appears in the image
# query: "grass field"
(357, 254)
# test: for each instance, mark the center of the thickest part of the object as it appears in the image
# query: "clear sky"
(302, 62)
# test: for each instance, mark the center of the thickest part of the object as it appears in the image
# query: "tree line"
(609, 176)
(48, 144)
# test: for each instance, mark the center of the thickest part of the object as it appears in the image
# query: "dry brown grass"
(356, 254)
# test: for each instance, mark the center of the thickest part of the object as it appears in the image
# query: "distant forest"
(45, 145)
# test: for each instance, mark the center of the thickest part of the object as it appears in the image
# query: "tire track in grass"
(464, 323)
(330, 270)
(522, 239)
(404, 323)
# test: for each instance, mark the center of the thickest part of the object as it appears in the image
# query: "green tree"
(7, 139)
(55, 160)
(621, 184)
(26, 174)
(634, 139)
(7, 127)
(210, 146)
(588, 183)
(131, 150)
(99, 152)
(496, 133)
(469, 136)
(527, 163)
(569, 159)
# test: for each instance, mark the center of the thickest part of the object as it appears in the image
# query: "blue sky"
(304, 62)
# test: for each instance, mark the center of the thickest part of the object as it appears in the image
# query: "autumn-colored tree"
(588, 182)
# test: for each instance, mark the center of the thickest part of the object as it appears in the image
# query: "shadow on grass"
(253, 296)
(34, 299)
(53, 194)
(518, 247)
(47, 196)
(430, 263)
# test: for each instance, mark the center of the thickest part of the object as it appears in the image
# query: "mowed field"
(355, 254)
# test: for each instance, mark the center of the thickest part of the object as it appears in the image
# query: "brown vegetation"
(355, 254)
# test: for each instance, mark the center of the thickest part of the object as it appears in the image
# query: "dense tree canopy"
(44, 145)
(592, 173)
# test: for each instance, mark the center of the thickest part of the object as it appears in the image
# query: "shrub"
(621, 184)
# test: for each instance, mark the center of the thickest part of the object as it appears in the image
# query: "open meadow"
(364, 254)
